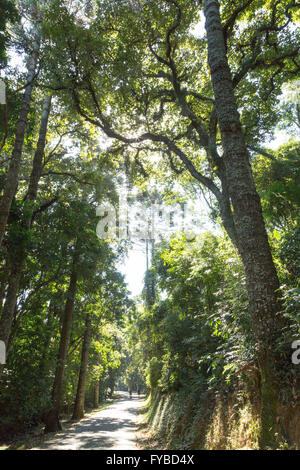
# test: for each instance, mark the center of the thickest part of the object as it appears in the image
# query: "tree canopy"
(177, 101)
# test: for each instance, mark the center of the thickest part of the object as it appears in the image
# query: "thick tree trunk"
(10, 301)
(78, 412)
(252, 240)
(52, 418)
(19, 255)
(13, 169)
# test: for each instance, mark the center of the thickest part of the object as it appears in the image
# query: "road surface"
(110, 429)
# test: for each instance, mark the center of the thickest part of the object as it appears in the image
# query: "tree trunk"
(50, 332)
(52, 417)
(226, 212)
(4, 276)
(13, 169)
(37, 165)
(96, 393)
(10, 301)
(97, 387)
(19, 255)
(78, 412)
(252, 240)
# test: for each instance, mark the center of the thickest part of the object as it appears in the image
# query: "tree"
(137, 72)
(52, 418)
(18, 254)
(34, 37)
(162, 82)
(252, 240)
(277, 181)
(78, 412)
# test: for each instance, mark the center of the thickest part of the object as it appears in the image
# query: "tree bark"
(37, 165)
(52, 417)
(10, 302)
(4, 276)
(50, 332)
(252, 240)
(78, 412)
(226, 215)
(13, 169)
(96, 393)
(18, 256)
(97, 388)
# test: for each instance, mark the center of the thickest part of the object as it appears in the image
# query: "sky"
(134, 265)
(134, 268)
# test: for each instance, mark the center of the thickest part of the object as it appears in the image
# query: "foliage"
(132, 99)
(9, 13)
(277, 181)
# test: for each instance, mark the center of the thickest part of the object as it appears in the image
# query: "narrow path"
(110, 429)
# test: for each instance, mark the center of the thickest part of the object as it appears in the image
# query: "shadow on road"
(113, 427)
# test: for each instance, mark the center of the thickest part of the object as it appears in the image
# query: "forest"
(116, 116)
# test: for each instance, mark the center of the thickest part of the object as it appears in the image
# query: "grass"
(146, 438)
(191, 421)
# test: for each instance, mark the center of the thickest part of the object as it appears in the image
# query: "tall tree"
(78, 412)
(252, 240)
(12, 174)
(166, 80)
(17, 254)
(52, 417)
